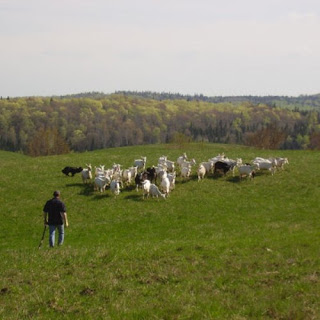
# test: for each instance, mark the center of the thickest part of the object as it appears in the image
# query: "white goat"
(86, 173)
(201, 171)
(172, 179)
(99, 170)
(219, 157)
(181, 159)
(280, 162)
(248, 170)
(155, 192)
(208, 165)
(140, 163)
(165, 185)
(186, 171)
(126, 176)
(115, 187)
(101, 182)
(190, 163)
(169, 165)
(146, 188)
(265, 164)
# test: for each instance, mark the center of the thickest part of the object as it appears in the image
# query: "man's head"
(56, 194)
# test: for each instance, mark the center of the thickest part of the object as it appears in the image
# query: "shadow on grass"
(235, 179)
(101, 196)
(181, 180)
(129, 188)
(260, 173)
(86, 189)
(134, 197)
(74, 184)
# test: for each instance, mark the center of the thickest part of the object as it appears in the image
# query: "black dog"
(72, 170)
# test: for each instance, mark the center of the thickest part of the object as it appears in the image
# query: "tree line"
(302, 102)
(55, 125)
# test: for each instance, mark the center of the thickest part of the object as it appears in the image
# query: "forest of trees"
(55, 125)
(302, 102)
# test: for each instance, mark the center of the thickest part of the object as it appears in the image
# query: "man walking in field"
(55, 215)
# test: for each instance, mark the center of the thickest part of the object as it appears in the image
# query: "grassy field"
(216, 249)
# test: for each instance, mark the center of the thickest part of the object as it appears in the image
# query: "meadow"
(220, 248)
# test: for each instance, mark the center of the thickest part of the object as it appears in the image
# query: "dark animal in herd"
(71, 170)
(222, 167)
(150, 174)
(139, 178)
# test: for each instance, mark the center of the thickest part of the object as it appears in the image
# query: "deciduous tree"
(47, 142)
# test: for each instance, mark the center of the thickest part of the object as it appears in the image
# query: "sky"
(210, 47)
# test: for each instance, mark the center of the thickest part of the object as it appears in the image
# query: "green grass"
(216, 249)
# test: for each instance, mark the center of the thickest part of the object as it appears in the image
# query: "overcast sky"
(224, 47)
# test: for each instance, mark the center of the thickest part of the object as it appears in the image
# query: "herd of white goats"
(159, 181)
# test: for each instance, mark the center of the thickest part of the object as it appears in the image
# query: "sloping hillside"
(220, 248)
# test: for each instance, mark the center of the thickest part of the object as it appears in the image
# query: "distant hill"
(94, 120)
(300, 102)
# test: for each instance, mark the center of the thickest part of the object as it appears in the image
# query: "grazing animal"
(265, 164)
(155, 192)
(208, 165)
(172, 179)
(169, 165)
(139, 178)
(161, 172)
(186, 171)
(223, 167)
(248, 170)
(257, 159)
(72, 170)
(99, 171)
(87, 173)
(181, 159)
(116, 167)
(162, 160)
(219, 157)
(281, 162)
(151, 174)
(146, 188)
(140, 163)
(126, 176)
(201, 172)
(101, 182)
(234, 164)
(115, 187)
(116, 172)
(185, 163)
(165, 185)
(134, 171)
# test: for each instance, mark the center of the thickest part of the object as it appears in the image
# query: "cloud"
(188, 46)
